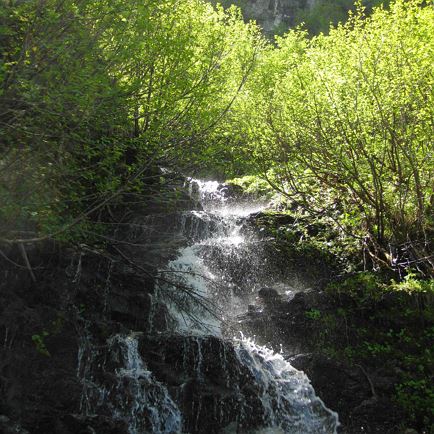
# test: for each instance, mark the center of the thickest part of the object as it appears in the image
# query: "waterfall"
(199, 370)
(135, 399)
(288, 399)
(147, 396)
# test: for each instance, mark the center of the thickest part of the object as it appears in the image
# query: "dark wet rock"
(128, 308)
(376, 413)
(253, 309)
(203, 375)
(207, 380)
(77, 424)
(335, 382)
(348, 389)
(41, 324)
(9, 427)
(56, 356)
(269, 295)
(312, 299)
(284, 319)
(52, 329)
(281, 234)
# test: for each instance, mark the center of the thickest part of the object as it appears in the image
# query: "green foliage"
(253, 185)
(344, 121)
(412, 284)
(312, 239)
(417, 397)
(415, 391)
(39, 341)
(363, 286)
(385, 327)
(313, 314)
(95, 94)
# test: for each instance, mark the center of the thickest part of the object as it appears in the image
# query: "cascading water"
(136, 399)
(209, 290)
(148, 396)
(288, 398)
(191, 374)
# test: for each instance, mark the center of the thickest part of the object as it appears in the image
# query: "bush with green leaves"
(346, 121)
(95, 94)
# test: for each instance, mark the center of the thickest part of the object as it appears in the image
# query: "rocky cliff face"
(272, 14)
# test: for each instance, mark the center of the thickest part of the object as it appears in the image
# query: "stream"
(204, 373)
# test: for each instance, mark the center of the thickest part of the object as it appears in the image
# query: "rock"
(9, 427)
(204, 376)
(253, 309)
(272, 13)
(41, 326)
(376, 411)
(301, 361)
(128, 308)
(311, 299)
(347, 389)
(269, 295)
(78, 424)
(344, 388)
(61, 357)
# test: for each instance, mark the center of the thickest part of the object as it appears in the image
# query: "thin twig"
(27, 262)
